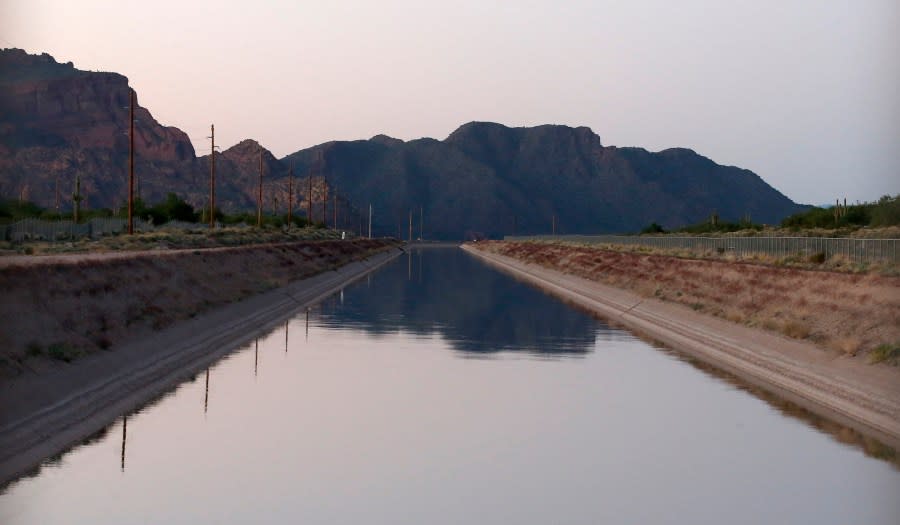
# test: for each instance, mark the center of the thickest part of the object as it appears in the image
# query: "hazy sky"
(804, 93)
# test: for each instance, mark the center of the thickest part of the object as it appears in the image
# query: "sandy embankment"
(47, 409)
(866, 398)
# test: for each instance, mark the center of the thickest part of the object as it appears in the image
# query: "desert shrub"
(817, 258)
(795, 329)
(884, 212)
(62, 352)
(33, 349)
(889, 353)
(653, 228)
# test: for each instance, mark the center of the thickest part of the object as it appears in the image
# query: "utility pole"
(259, 196)
(76, 198)
(410, 225)
(57, 194)
(334, 205)
(324, 201)
(553, 223)
(290, 195)
(131, 163)
(212, 176)
(309, 211)
(421, 223)
(370, 220)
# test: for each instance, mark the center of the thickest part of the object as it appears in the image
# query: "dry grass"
(172, 239)
(835, 263)
(60, 311)
(849, 313)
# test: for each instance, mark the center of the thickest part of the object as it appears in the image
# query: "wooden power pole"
(324, 202)
(131, 163)
(259, 195)
(212, 176)
(309, 211)
(290, 195)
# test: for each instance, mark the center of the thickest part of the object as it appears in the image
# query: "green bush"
(889, 353)
(62, 352)
(884, 212)
(653, 228)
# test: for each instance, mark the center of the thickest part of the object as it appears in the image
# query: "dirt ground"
(56, 309)
(856, 315)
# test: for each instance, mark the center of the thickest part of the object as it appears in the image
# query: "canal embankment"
(89, 337)
(836, 385)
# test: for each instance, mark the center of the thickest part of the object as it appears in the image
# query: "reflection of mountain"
(475, 308)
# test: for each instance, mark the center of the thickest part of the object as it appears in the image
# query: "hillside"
(57, 122)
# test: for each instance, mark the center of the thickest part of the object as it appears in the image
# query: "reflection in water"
(841, 433)
(477, 311)
(516, 440)
(206, 393)
(124, 433)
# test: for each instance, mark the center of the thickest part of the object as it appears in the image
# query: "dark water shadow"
(478, 312)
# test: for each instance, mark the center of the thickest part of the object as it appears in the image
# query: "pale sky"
(804, 93)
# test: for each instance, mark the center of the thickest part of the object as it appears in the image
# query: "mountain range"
(487, 179)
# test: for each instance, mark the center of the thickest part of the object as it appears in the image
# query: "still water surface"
(441, 391)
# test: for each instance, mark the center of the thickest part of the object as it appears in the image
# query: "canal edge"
(872, 414)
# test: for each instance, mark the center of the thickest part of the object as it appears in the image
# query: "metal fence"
(855, 250)
(37, 229)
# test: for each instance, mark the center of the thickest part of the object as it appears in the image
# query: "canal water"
(438, 390)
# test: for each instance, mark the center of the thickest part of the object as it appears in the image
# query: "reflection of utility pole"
(131, 164)
(124, 432)
(212, 176)
(285, 336)
(206, 393)
(256, 357)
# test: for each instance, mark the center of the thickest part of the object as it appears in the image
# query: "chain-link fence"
(856, 250)
(37, 229)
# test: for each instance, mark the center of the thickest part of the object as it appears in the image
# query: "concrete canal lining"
(92, 392)
(866, 398)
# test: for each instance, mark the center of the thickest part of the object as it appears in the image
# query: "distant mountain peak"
(480, 130)
(386, 140)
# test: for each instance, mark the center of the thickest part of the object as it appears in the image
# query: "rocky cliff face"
(57, 122)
